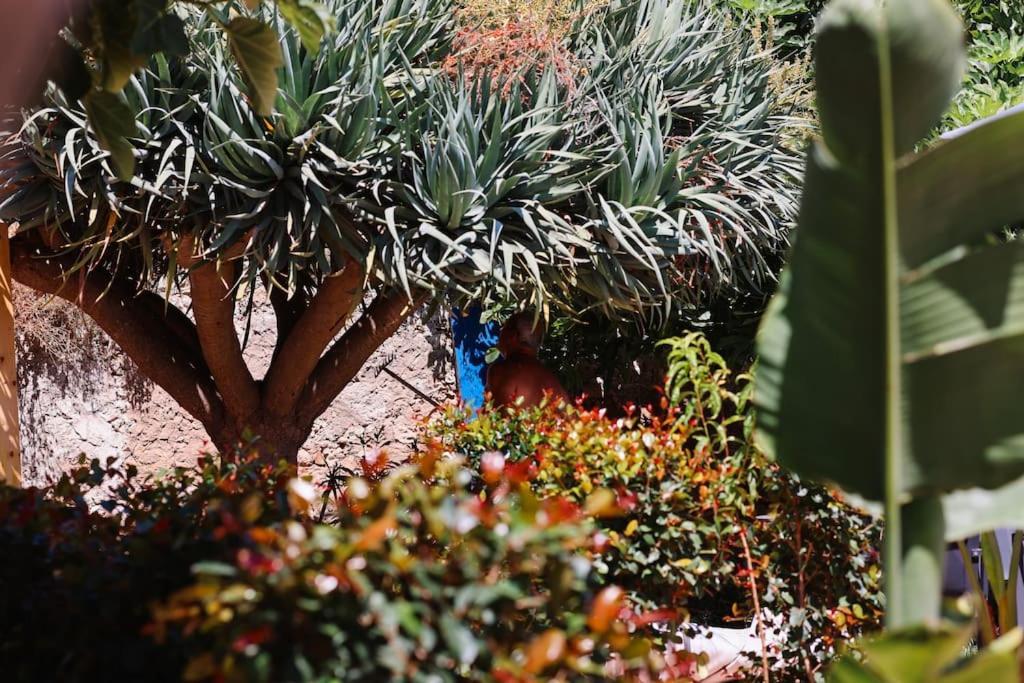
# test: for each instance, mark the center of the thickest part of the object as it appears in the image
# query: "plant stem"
(1008, 620)
(893, 443)
(924, 553)
(988, 630)
(757, 607)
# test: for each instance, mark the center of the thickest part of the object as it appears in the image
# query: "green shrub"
(792, 21)
(84, 559)
(419, 580)
(995, 38)
(995, 79)
(706, 511)
(219, 573)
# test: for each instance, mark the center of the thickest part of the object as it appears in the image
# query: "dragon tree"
(631, 159)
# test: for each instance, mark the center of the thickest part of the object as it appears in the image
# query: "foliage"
(792, 22)
(931, 655)
(106, 41)
(416, 581)
(220, 573)
(995, 80)
(705, 511)
(508, 39)
(658, 169)
(1000, 617)
(90, 554)
(995, 55)
(930, 315)
(995, 75)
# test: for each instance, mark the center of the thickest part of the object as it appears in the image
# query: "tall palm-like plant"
(651, 170)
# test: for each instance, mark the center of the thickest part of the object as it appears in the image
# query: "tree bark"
(299, 353)
(201, 365)
(339, 365)
(132, 320)
(10, 437)
(213, 305)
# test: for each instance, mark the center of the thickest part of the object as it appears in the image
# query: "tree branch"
(213, 305)
(299, 353)
(286, 311)
(178, 323)
(130, 318)
(344, 360)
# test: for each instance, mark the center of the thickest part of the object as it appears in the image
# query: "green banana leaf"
(893, 331)
(969, 512)
(921, 655)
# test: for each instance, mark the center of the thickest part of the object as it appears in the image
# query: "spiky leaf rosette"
(656, 173)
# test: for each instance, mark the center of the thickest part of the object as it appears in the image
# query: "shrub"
(792, 21)
(86, 557)
(418, 581)
(995, 78)
(219, 573)
(508, 39)
(707, 513)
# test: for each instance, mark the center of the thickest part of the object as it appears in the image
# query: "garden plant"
(91, 48)
(351, 161)
(710, 532)
(227, 572)
(641, 169)
(894, 307)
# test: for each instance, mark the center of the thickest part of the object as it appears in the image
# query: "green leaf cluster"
(685, 491)
(228, 572)
(107, 41)
(658, 175)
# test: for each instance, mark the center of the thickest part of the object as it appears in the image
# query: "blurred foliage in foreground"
(220, 573)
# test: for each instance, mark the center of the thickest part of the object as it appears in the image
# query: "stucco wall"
(79, 394)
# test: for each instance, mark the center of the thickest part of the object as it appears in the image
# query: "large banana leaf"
(970, 512)
(893, 333)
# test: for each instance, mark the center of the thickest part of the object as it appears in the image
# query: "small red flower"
(626, 500)
(256, 636)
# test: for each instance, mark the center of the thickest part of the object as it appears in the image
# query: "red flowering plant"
(516, 41)
(221, 572)
(707, 530)
(419, 579)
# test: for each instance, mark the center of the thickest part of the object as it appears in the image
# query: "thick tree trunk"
(268, 439)
(200, 364)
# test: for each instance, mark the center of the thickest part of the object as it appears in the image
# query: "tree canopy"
(639, 163)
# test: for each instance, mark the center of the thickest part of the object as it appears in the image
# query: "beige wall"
(79, 394)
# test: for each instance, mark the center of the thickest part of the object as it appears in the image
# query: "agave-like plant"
(656, 175)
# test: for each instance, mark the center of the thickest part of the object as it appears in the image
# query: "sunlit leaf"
(310, 19)
(257, 51)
